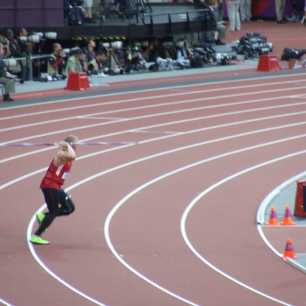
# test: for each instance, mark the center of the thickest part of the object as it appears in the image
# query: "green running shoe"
(38, 240)
(40, 217)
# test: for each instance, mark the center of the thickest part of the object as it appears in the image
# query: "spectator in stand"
(56, 62)
(25, 48)
(90, 55)
(7, 79)
(217, 9)
(245, 10)
(280, 10)
(88, 9)
(233, 14)
(183, 54)
(304, 16)
(75, 12)
(74, 63)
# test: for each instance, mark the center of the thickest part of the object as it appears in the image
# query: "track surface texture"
(166, 208)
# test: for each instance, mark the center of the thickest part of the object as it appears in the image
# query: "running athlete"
(59, 203)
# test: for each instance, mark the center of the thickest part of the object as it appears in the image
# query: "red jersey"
(55, 176)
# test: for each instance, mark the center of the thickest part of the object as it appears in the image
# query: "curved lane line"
(196, 200)
(5, 303)
(50, 272)
(126, 165)
(149, 106)
(161, 114)
(162, 89)
(260, 217)
(186, 101)
(162, 125)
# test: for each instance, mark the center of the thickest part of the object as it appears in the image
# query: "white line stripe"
(33, 173)
(160, 114)
(149, 158)
(5, 303)
(123, 101)
(96, 153)
(162, 89)
(188, 101)
(195, 201)
(261, 211)
(50, 272)
(162, 125)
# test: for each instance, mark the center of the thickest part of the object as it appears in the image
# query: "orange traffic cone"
(273, 217)
(287, 220)
(289, 250)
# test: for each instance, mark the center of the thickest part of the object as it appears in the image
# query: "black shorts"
(58, 201)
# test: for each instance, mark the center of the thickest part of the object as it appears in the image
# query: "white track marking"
(137, 108)
(123, 101)
(261, 219)
(157, 115)
(196, 200)
(89, 116)
(178, 134)
(24, 176)
(298, 96)
(164, 89)
(163, 125)
(172, 135)
(5, 303)
(50, 272)
(91, 178)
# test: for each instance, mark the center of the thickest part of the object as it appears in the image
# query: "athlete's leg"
(52, 201)
(66, 204)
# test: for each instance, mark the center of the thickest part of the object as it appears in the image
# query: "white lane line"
(123, 101)
(5, 303)
(168, 88)
(146, 131)
(121, 203)
(302, 96)
(159, 115)
(163, 125)
(181, 134)
(50, 272)
(260, 218)
(188, 101)
(89, 116)
(121, 167)
(196, 200)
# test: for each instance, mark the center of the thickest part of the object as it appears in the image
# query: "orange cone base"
(289, 251)
(268, 63)
(288, 221)
(289, 255)
(273, 222)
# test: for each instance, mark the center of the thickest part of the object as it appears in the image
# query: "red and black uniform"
(58, 201)
(55, 176)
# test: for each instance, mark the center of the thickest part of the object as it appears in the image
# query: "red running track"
(167, 221)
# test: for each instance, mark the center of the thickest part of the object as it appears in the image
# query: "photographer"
(56, 62)
(7, 79)
(74, 63)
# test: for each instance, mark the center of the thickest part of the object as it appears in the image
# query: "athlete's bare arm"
(64, 154)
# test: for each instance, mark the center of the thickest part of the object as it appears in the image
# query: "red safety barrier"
(299, 210)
